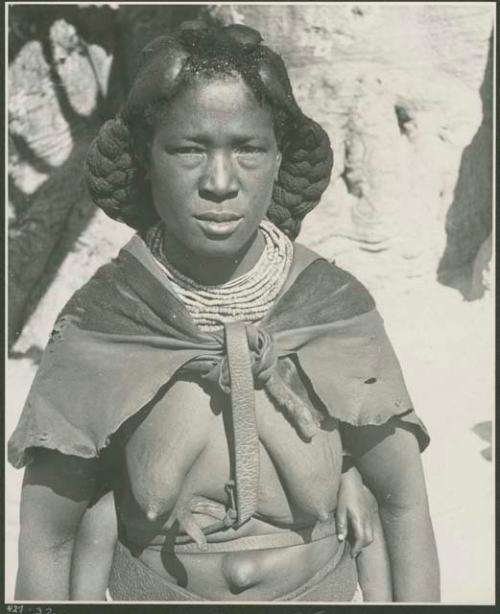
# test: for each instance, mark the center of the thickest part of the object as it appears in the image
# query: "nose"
(219, 181)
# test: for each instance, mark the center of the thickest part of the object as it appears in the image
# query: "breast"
(309, 471)
(165, 446)
(181, 448)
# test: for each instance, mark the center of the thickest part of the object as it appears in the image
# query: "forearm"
(388, 459)
(44, 572)
(374, 571)
(93, 552)
(56, 491)
(412, 554)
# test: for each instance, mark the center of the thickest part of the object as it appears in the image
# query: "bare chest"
(183, 448)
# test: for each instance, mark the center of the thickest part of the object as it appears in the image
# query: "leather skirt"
(132, 580)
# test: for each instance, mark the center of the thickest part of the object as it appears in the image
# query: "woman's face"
(212, 166)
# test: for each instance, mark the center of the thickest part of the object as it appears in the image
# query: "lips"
(218, 216)
(218, 224)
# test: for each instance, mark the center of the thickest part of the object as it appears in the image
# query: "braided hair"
(115, 169)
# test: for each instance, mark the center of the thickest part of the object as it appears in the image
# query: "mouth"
(218, 216)
(218, 223)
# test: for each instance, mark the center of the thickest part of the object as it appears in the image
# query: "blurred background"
(406, 95)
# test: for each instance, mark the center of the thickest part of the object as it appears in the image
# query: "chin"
(217, 248)
(203, 246)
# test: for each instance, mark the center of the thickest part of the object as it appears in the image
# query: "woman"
(216, 371)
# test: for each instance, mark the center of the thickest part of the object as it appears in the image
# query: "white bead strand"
(246, 298)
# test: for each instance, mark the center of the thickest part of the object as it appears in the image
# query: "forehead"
(214, 105)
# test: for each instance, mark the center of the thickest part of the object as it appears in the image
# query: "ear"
(279, 157)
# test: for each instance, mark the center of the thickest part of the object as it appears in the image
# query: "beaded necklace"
(246, 298)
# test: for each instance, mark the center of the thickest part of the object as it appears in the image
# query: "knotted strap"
(246, 442)
(248, 359)
(267, 373)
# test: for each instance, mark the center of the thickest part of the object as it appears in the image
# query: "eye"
(187, 150)
(250, 150)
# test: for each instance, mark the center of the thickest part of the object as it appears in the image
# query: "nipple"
(152, 514)
(323, 516)
(241, 570)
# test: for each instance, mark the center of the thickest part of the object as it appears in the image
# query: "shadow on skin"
(76, 480)
(171, 563)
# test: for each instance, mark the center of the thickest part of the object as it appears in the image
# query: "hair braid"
(304, 175)
(114, 178)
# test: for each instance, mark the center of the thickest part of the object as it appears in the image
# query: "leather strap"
(281, 539)
(246, 441)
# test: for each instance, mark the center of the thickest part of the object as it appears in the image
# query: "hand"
(354, 513)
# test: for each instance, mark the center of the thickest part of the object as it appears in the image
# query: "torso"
(179, 447)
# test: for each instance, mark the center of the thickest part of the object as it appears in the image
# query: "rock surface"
(397, 87)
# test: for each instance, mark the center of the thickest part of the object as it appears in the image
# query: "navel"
(241, 570)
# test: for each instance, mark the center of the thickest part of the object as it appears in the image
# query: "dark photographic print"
(250, 303)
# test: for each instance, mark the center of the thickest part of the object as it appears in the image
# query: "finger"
(357, 536)
(367, 523)
(341, 522)
(367, 535)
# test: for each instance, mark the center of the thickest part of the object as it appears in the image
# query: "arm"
(56, 491)
(93, 551)
(374, 571)
(388, 459)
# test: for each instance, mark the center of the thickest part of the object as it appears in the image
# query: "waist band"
(263, 541)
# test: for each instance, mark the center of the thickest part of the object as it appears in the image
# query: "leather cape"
(124, 335)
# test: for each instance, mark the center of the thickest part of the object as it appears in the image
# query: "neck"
(214, 271)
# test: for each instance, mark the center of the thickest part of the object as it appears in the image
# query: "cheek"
(171, 186)
(262, 176)
(261, 185)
